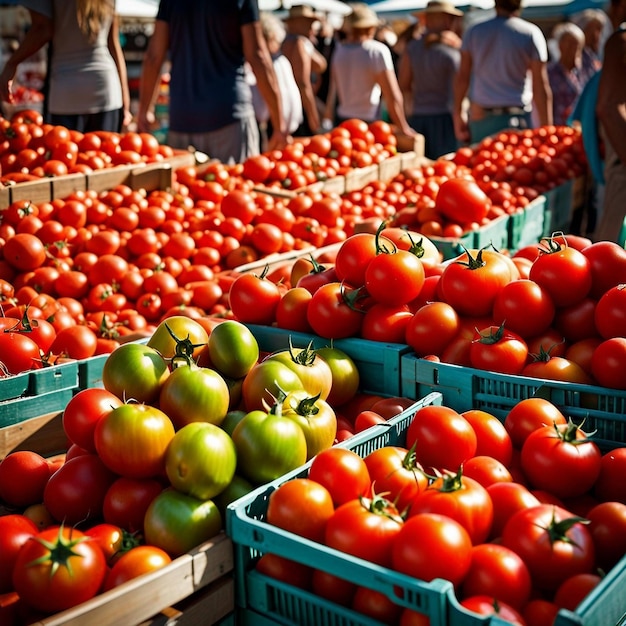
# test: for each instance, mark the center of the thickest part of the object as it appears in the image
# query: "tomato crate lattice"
(602, 410)
(263, 600)
(559, 208)
(495, 233)
(378, 363)
(526, 226)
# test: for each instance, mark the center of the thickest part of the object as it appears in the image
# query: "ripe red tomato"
(365, 528)
(608, 266)
(490, 605)
(607, 522)
(564, 272)
(135, 562)
(609, 485)
(23, 478)
(301, 506)
(24, 252)
(432, 327)
(432, 546)
(394, 277)
(126, 501)
(552, 542)
(56, 583)
(343, 473)
(499, 572)
(334, 311)
(19, 353)
(461, 200)
(254, 299)
(610, 313)
(508, 498)
(492, 438)
(443, 438)
(608, 363)
(354, 256)
(15, 531)
(528, 415)
(76, 342)
(497, 349)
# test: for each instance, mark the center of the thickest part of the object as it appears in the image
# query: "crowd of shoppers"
(238, 75)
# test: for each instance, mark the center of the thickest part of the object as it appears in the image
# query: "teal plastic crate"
(90, 371)
(526, 226)
(263, 600)
(20, 409)
(494, 233)
(558, 208)
(36, 382)
(378, 363)
(464, 388)
(452, 247)
(14, 386)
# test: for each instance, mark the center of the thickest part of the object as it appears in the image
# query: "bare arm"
(151, 75)
(331, 100)
(258, 56)
(120, 62)
(542, 94)
(405, 78)
(461, 87)
(301, 64)
(393, 98)
(611, 104)
(39, 34)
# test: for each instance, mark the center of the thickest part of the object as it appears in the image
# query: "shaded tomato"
(126, 501)
(15, 530)
(135, 562)
(528, 415)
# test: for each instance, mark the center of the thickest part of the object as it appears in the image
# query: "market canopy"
(323, 6)
(137, 8)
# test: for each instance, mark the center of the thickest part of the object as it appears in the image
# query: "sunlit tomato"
(76, 342)
(432, 327)
(334, 311)
(15, 531)
(58, 569)
(132, 440)
(431, 546)
(608, 362)
(394, 277)
(24, 252)
(301, 506)
(19, 353)
(442, 437)
(253, 299)
(233, 349)
(354, 256)
(492, 438)
(135, 562)
(461, 200)
(528, 415)
(552, 542)
(343, 472)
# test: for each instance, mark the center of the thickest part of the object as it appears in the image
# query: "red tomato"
(254, 299)
(24, 252)
(461, 200)
(334, 311)
(291, 311)
(460, 498)
(432, 546)
(365, 528)
(608, 266)
(56, 582)
(609, 485)
(490, 605)
(486, 470)
(443, 438)
(610, 313)
(301, 506)
(285, 570)
(332, 588)
(552, 542)
(508, 498)
(135, 562)
(19, 353)
(497, 349)
(126, 501)
(83, 412)
(113, 540)
(607, 522)
(499, 572)
(492, 438)
(23, 478)
(343, 473)
(15, 531)
(472, 281)
(574, 590)
(565, 273)
(76, 342)
(608, 363)
(394, 277)
(354, 256)
(376, 604)
(529, 415)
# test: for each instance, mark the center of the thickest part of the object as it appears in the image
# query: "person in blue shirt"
(210, 102)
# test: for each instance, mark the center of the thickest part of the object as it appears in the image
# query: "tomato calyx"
(379, 505)
(305, 356)
(491, 335)
(568, 433)
(307, 407)
(351, 298)
(382, 248)
(557, 531)
(450, 482)
(59, 552)
(552, 244)
(545, 355)
(473, 263)
(183, 348)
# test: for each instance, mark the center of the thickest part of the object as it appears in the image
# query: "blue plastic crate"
(526, 225)
(494, 233)
(378, 363)
(464, 388)
(559, 208)
(263, 600)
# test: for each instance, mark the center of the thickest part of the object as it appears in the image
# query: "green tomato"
(233, 349)
(135, 371)
(231, 420)
(345, 374)
(194, 394)
(268, 446)
(265, 380)
(201, 460)
(179, 332)
(177, 523)
(237, 488)
(315, 417)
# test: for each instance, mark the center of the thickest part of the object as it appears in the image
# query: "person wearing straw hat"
(363, 75)
(426, 76)
(307, 62)
(504, 72)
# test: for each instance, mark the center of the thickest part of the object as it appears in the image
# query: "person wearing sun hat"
(426, 74)
(363, 75)
(307, 62)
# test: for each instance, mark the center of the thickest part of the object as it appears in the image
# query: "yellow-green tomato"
(345, 375)
(135, 371)
(177, 523)
(175, 329)
(268, 446)
(315, 417)
(201, 460)
(194, 394)
(233, 349)
(314, 373)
